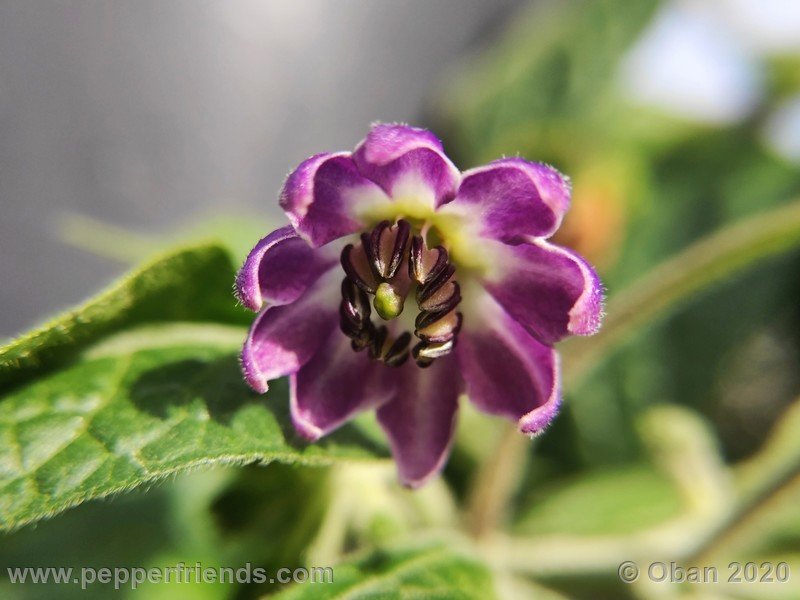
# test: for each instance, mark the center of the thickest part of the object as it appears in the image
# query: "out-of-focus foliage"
(573, 507)
(432, 572)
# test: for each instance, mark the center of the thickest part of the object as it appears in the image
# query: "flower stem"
(496, 482)
(709, 261)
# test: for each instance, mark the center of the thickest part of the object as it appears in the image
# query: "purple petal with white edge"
(324, 195)
(420, 420)
(408, 163)
(279, 269)
(512, 198)
(548, 289)
(283, 338)
(508, 372)
(334, 385)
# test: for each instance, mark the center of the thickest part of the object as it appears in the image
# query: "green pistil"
(388, 303)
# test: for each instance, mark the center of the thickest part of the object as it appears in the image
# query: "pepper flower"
(402, 283)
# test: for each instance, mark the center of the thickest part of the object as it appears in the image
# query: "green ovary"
(388, 302)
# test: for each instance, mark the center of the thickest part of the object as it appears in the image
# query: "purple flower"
(402, 283)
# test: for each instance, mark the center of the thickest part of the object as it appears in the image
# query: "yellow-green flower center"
(442, 227)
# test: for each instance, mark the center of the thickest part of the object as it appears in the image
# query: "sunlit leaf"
(139, 407)
(193, 284)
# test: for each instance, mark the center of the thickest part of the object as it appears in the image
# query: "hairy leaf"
(138, 407)
(193, 284)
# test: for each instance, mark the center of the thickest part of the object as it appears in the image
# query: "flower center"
(390, 264)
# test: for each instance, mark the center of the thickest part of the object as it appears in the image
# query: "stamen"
(386, 247)
(357, 268)
(363, 339)
(349, 326)
(423, 362)
(354, 314)
(399, 248)
(375, 267)
(442, 330)
(424, 350)
(446, 297)
(425, 264)
(378, 342)
(398, 352)
(428, 318)
(435, 282)
(355, 303)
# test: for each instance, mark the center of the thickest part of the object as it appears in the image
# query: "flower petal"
(513, 198)
(548, 289)
(507, 371)
(420, 419)
(283, 338)
(334, 385)
(279, 269)
(408, 163)
(324, 195)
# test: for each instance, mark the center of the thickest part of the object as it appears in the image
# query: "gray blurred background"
(153, 114)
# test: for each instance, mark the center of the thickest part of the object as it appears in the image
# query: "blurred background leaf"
(417, 571)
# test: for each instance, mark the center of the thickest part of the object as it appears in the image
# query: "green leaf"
(192, 284)
(423, 572)
(236, 233)
(138, 407)
(622, 500)
(132, 530)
